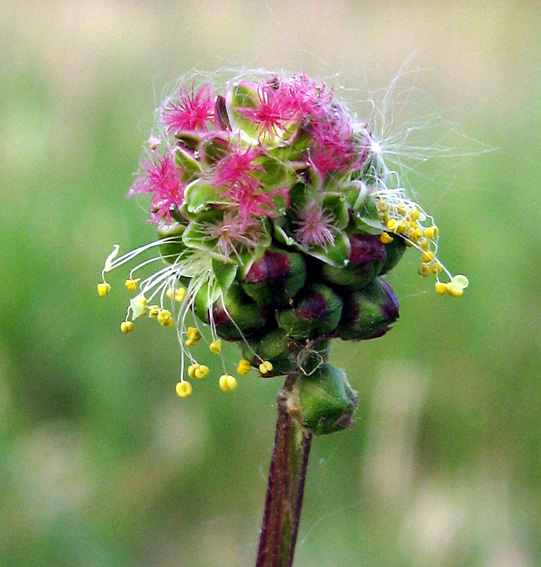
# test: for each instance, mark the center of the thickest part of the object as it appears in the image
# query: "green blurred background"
(101, 464)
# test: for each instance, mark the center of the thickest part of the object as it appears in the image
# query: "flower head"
(276, 221)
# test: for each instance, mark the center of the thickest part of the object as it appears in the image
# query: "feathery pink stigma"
(162, 179)
(193, 111)
(233, 232)
(314, 227)
(237, 168)
(334, 148)
(276, 107)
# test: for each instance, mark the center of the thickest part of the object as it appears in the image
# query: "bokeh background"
(100, 463)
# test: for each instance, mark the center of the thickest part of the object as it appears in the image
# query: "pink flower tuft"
(161, 178)
(193, 111)
(314, 227)
(236, 176)
(334, 146)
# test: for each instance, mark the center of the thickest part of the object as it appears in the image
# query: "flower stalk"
(285, 487)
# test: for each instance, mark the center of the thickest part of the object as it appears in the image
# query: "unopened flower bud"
(325, 401)
(366, 258)
(234, 315)
(369, 313)
(274, 348)
(394, 251)
(275, 278)
(316, 313)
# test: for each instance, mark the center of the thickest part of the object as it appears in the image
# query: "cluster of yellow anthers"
(404, 217)
(139, 307)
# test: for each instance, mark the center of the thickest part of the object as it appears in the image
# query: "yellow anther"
(417, 234)
(193, 333)
(126, 326)
(454, 290)
(431, 232)
(191, 370)
(428, 256)
(441, 288)
(184, 389)
(401, 227)
(228, 383)
(201, 371)
(243, 367)
(216, 346)
(457, 285)
(386, 238)
(424, 270)
(424, 244)
(435, 268)
(164, 317)
(392, 225)
(265, 367)
(383, 206)
(132, 284)
(103, 289)
(180, 294)
(401, 210)
(189, 342)
(153, 310)
(170, 293)
(413, 214)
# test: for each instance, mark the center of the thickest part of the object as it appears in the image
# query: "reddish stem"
(285, 486)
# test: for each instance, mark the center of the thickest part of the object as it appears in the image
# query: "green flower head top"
(276, 222)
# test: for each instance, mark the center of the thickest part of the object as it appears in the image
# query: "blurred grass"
(101, 464)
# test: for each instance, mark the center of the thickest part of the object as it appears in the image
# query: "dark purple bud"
(366, 258)
(369, 313)
(316, 313)
(234, 315)
(275, 278)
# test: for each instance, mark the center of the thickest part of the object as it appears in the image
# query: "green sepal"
(214, 149)
(174, 246)
(188, 165)
(242, 95)
(324, 401)
(196, 235)
(365, 212)
(198, 197)
(189, 139)
(336, 204)
(224, 273)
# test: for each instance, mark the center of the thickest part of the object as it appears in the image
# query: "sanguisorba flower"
(276, 223)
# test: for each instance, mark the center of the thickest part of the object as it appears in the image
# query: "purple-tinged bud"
(316, 313)
(275, 278)
(234, 316)
(395, 250)
(325, 401)
(366, 258)
(272, 347)
(369, 313)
